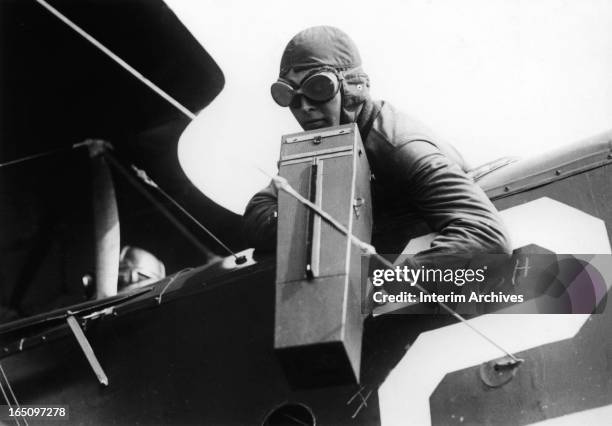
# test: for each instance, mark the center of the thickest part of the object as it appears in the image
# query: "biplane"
(202, 344)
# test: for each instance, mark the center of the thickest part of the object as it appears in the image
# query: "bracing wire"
(369, 250)
(10, 388)
(142, 175)
(42, 155)
(117, 59)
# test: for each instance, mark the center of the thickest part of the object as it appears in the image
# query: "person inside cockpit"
(414, 173)
(137, 268)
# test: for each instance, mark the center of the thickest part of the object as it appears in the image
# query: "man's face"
(313, 115)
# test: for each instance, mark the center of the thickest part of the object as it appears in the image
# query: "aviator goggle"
(319, 87)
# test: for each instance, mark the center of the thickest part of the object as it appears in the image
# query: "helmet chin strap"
(348, 115)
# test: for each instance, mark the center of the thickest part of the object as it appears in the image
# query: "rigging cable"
(117, 59)
(142, 175)
(6, 398)
(42, 154)
(369, 250)
(147, 180)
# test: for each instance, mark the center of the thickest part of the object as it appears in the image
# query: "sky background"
(494, 77)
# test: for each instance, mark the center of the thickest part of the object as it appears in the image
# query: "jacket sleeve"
(260, 219)
(451, 203)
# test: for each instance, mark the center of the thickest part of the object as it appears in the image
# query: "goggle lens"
(282, 93)
(320, 87)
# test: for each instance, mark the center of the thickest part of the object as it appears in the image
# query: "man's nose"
(305, 104)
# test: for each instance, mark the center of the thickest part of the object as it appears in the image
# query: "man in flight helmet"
(414, 174)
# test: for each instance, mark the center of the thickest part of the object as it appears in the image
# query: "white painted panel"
(404, 396)
(601, 416)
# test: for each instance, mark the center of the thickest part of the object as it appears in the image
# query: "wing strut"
(87, 349)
